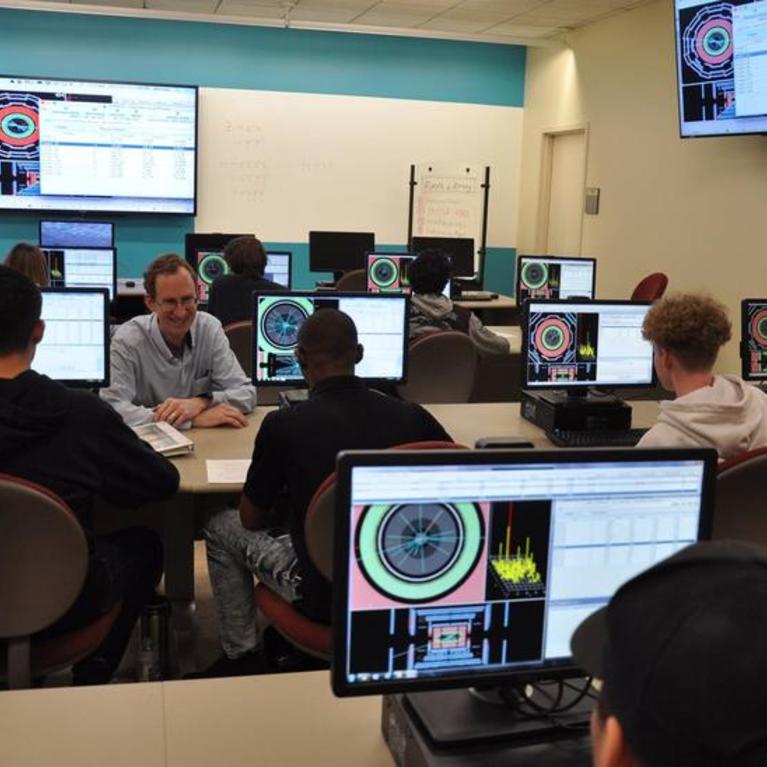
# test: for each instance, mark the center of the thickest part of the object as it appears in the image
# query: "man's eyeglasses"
(170, 304)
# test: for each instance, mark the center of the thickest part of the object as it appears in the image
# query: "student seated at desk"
(431, 311)
(176, 364)
(231, 295)
(77, 446)
(719, 411)
(295, 451)
(30, 261)
(682, 653)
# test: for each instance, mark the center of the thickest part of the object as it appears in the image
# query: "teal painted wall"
(229, 56)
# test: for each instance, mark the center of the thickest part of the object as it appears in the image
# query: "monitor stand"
(576, 410)
(455, 727)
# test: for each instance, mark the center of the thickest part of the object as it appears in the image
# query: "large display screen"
(97, 146)
(381, 322)
(721, 66)
(454, 566)
(570, 344)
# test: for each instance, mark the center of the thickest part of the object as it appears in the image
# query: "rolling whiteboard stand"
(450, 200)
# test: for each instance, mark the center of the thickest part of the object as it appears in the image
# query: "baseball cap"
(682, 651)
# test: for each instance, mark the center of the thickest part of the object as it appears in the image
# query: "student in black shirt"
(230, 297)
(295, 451)
(76, 446)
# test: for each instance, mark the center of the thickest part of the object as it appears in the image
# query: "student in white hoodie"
(431, 311)
(719, 411)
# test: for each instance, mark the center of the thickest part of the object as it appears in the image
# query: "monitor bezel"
(78, 383)
(46, 255)
(73, 221)
(289, 254)
(378, 254)
(453, 274)
(126, 211)
(315, 267)
(580, 386)
(548, 259)
(347, 460)
(745, 373)
(327, 295)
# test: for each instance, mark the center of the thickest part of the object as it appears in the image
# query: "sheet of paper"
(227, 472)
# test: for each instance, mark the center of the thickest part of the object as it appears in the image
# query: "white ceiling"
(532, 22)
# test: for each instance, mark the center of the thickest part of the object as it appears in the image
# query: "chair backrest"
(319, 525)
(441, 368)
(740, 509)
(651, 288)
(240, 335)
(355, 280)
(43, 557)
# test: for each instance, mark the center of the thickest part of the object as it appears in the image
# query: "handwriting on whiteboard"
(449, 185)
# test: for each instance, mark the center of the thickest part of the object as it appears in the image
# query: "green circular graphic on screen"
(211, 267)
(534, 275)
(18, 125)
(419, 552)
(281, 322)
(384, 272)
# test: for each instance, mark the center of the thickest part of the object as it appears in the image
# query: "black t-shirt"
(296, 450)
(76, 445)
(230, 297)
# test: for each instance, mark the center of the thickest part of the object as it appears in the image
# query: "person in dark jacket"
(77, 446)
(230, 296)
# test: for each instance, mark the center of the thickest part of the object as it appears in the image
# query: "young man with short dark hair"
(75, 445)
(176, 364)
(432, 311)
(681, 650)
(295, 451)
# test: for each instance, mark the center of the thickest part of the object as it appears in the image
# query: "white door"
(566, 188)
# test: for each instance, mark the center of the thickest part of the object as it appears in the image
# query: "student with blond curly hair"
(719, 411)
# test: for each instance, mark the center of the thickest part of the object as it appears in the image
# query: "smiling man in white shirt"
(175, 364)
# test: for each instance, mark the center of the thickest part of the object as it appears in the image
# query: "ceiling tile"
(396, 15)
(117, 3)
(463, 20)
(182, 6)
(512, 29)
(264, 9)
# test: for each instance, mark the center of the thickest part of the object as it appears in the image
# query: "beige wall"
(695, 209)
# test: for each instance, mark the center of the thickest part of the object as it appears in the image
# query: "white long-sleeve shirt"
(144, 371)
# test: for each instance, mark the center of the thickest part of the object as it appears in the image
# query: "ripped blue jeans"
(235, 555)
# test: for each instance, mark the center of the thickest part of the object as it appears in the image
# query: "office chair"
(311, 637)
(739, 509)
(355, 280)
(651, 288)
(441, 368)
(240, 335)
(43, 563)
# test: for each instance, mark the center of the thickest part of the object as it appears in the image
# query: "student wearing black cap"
(682, 652)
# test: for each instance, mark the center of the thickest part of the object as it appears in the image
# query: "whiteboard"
(281, 164)
(449, 201)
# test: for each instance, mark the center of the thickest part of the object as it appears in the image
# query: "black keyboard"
(596, 437)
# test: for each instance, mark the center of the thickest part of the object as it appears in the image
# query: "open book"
(164, 438)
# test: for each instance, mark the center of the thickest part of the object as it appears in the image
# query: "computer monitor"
(82, 268)
(460, 250)
(388, 273)
(554, 277)
(339, 251)
(205, 254)
(75, 346)
(278, 267)
(573, 345)
(381, 322)
(753, 339)
(456, 568)
(77, 234)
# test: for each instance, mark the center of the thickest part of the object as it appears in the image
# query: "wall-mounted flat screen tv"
(77, 145)
(721, 67)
